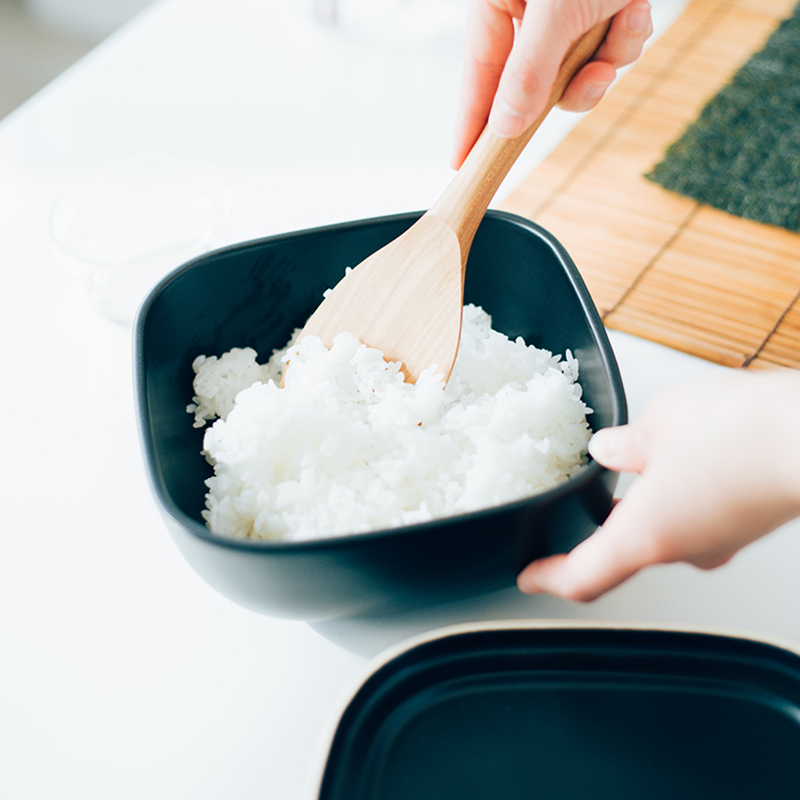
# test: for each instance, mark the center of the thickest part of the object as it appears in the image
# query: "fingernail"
(504, 121)
(596, 90)
(639, 18)
(528, 584)
(601, 445)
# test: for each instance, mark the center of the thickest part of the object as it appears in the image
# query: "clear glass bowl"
(124, 226)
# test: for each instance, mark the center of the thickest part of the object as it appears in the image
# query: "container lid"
(521, 712)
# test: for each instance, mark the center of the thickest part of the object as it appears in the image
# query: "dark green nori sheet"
(742, 154)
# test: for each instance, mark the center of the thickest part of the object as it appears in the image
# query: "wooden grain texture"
(659, 265)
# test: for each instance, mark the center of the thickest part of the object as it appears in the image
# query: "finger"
(594, 567)
(588, 86)
(623, 44)
(529, 74)
(614, 553)
(622, 448)
(526, 82)
(489, 39)
(627, 34)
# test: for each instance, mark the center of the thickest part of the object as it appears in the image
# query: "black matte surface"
(573, 715)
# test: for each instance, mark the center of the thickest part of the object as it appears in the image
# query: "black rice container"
(254, 295)
(515, 712)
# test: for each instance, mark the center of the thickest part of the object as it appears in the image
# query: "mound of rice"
(348, 446)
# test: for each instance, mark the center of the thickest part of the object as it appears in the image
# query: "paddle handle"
(466, 199)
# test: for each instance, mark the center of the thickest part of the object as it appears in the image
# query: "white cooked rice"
(347, 446)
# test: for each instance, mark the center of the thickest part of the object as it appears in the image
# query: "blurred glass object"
(124, 226)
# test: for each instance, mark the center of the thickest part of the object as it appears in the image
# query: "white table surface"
(122, 674)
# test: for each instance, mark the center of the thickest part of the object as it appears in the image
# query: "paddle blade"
(405, 300)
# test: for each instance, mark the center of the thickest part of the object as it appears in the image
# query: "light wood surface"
(406, 299)
(659, 265)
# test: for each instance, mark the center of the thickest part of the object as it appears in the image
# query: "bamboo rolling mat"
(659, 265)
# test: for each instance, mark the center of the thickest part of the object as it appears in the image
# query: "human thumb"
(621, 448)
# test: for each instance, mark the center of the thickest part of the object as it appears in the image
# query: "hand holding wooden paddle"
(406, 299)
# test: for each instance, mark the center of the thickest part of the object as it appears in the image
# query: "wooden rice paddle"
(406, 299)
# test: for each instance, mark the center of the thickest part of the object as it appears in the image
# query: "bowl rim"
(587, 473)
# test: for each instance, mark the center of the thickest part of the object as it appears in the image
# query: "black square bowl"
(255, 294)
